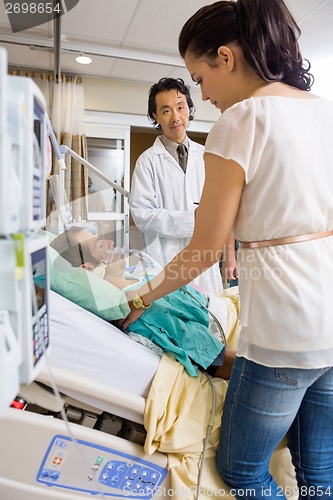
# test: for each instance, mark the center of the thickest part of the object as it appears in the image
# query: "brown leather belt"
(285, 241)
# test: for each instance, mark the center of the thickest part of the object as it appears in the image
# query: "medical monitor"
(9, 182)
(27, 127)
(35, 341)
(24, 323)
(10, 350)
(3, 101)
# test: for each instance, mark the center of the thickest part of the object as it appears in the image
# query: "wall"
(124, 97)
(130, 97)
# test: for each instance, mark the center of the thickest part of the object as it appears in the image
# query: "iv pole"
(66, 150)
(60, 152)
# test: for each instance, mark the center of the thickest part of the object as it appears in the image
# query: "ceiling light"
(82, 59)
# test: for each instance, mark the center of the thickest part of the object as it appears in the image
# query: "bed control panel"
(82, 466)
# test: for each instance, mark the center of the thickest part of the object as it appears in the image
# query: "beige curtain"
(76, 178)
(65, 107)
(67, 119)
(43, 79)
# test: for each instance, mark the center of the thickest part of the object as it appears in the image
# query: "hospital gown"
(180, 325)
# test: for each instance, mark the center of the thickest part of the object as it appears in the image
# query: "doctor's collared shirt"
(172, 146)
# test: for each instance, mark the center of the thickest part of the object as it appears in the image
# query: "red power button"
(19, 404)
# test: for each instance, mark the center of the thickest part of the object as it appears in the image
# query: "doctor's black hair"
(264, 29)
(168, 84)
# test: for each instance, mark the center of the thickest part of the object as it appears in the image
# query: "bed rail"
(120, 403)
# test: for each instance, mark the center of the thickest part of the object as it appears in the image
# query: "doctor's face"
(172, 114)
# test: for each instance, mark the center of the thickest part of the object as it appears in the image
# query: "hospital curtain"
(67, 119)
(65, 107)
(44, 80)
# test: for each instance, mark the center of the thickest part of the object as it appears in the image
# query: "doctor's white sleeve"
(148, 216)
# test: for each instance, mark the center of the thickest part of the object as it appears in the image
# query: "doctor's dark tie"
(182, 155)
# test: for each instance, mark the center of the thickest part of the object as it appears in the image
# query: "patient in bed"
(177, 323)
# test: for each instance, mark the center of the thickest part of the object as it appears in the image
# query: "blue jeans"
(262, 406)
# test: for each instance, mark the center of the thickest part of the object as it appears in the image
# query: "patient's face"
(93, 247)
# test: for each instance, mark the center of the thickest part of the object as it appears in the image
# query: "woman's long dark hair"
(266, 31)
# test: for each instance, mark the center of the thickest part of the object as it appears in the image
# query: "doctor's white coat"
(162, 204)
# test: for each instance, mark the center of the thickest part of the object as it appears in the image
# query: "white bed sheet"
(87, 345)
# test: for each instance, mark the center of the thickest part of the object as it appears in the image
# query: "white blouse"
(285, 147)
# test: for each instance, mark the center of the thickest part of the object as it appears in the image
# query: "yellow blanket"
(231, 298)
(177, 414)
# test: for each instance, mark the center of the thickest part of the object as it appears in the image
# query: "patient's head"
(78, 246)
(83, 249)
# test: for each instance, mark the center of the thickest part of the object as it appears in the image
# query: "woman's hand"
(130, 318)
(134, 313)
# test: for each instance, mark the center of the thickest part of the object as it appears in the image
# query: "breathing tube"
(146, 263)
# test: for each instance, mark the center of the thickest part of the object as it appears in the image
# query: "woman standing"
(269, 179)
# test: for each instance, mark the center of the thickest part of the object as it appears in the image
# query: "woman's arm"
(231, 270)
(215, 217)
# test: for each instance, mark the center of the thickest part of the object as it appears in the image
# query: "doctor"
(167, 181)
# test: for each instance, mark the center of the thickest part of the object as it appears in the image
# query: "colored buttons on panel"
(50, 474)
(56, 461)
(130, 477)
(40, 335)
(116, 473)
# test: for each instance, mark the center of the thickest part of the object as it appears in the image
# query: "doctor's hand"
(231, 269)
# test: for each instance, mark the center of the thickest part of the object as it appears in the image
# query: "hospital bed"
(106, 385)
(117, 386)
(106, 380)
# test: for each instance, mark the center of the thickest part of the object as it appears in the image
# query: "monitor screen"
(27, 129)
(40, 334)
(38, 163)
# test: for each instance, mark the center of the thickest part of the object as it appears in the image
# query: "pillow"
(85, 288)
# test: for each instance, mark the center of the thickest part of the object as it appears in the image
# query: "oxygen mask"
(141, 265)
(111, 255)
